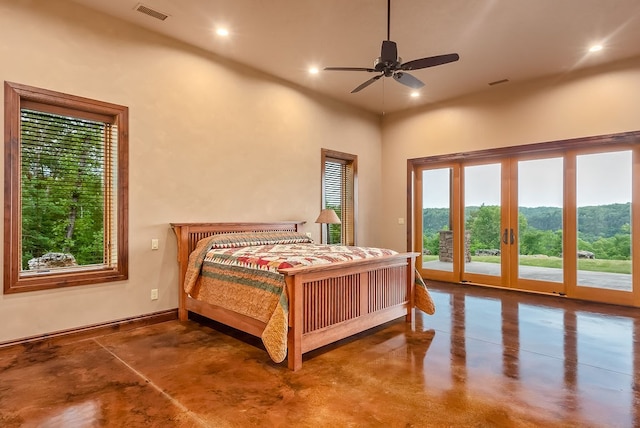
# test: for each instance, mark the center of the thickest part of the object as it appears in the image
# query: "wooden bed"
(327, 303)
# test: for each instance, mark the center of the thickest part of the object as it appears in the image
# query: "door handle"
(505, 235)
(512, 237)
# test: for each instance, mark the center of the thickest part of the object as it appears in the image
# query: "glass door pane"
(437, 233)
(603, 202)
(540, 214)
(483, 219)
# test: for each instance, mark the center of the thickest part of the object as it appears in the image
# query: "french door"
(552, 221)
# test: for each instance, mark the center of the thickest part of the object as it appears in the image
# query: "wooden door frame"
(601, 294)
(629, 140)
(478, 278)
(414, 212)
(515, 281)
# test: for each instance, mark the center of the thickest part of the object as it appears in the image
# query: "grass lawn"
(595, 265)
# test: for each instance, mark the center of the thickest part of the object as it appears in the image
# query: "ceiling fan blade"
(389, 52)
(367, 83)
(388, 63)
(349, 69)
(431, 61)
(408, 80)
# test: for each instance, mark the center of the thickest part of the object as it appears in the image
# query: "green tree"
(484, 226)
(431, 243)
(62, 187)
(435, 220)
(335, 230)
(617, 247)
(547, 242)
(603, 230)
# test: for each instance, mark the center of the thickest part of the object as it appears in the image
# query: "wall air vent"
(153, 13)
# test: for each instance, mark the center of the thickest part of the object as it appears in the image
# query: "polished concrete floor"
(487, 358)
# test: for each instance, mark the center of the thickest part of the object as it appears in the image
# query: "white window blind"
(339, 195)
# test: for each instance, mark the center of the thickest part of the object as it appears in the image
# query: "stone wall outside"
(446, 246)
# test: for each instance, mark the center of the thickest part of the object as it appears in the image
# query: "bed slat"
(331, 301)
(387, 287)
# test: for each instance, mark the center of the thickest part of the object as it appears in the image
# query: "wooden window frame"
(352, 161)
(16, 97)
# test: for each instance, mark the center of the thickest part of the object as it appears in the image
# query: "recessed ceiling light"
(313, 70)
(595, 48)
(223, 32)
(415, 94)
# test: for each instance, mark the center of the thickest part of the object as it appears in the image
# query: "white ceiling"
(496, 39)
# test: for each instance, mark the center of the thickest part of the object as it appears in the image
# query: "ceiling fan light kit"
(389, 64)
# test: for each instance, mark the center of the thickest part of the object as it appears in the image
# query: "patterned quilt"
(245, 266)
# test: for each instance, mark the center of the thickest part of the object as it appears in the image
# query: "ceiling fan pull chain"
(388, 19)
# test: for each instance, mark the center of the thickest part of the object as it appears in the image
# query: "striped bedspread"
(245, 279)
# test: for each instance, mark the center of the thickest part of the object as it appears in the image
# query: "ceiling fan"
(390, 64)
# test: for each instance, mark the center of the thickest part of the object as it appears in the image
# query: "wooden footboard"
(327, 303)
(330, 303)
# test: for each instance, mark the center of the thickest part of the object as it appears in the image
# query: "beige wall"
(209, 141)
(199, 123)
(599, 101)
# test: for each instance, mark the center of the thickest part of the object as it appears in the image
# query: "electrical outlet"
(154, 294)
(154, 244)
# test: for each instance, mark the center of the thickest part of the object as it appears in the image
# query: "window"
(65, 190)
(551, 217)
(339, 190)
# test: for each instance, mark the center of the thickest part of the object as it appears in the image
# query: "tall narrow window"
(339, 190)
(65, 190)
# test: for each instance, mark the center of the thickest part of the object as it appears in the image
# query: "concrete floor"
(487, 358)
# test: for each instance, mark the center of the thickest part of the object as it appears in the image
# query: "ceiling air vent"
(153, 13)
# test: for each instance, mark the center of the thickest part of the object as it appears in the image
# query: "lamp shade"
(328, 216)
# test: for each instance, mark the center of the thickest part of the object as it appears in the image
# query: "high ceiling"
(516, 40)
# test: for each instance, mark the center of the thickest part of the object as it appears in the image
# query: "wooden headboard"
(189, 234)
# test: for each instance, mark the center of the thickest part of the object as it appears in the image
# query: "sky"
(601, 179)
